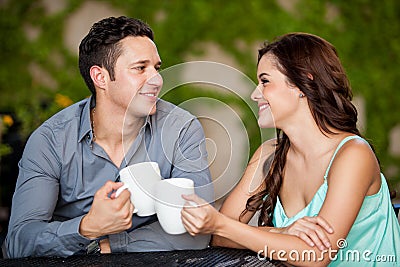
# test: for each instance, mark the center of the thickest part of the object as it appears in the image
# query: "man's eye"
(140, 68)
(158, 68)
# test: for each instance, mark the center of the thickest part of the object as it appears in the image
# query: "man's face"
(137, 81)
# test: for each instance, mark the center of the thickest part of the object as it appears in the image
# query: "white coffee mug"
(169, 203)
(140, 179)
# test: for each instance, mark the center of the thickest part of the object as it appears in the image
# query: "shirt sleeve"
(152, 237)
(31, 230)
(190, 159)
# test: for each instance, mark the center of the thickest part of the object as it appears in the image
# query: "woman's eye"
(264, 81)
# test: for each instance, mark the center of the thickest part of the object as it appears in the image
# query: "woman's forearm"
(219, 241)
(270, 244)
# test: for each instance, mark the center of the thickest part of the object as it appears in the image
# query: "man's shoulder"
(64, 119)
(67, 114)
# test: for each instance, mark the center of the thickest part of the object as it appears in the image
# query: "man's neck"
(115, 132)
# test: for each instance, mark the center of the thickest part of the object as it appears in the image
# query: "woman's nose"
(256, 94)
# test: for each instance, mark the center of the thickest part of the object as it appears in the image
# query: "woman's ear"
(98, 76)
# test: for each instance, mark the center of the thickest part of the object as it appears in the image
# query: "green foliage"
(365, 32)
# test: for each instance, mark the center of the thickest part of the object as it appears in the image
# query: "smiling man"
(63, 202)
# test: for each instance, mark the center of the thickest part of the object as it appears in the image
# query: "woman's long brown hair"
(311, 64)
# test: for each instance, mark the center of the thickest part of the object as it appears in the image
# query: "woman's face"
(277, 99)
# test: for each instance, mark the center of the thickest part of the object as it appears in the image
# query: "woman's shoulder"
(265, 150)
(355, 163)
(355, 148)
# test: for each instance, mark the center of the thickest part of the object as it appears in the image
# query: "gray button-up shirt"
(62, 168)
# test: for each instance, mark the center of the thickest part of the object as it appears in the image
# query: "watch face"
(93, 248)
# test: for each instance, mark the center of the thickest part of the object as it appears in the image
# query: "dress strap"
(348, 138)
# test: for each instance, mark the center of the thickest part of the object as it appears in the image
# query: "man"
(64, 202)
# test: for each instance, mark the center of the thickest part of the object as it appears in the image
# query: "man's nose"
(155, 79)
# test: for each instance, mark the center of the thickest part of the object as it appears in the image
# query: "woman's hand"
(312, 230)
(201, 218)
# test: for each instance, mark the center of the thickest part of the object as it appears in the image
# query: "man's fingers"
(109, 187)
(125, 196)
(131, 208)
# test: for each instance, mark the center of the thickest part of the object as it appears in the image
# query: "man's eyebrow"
(145, 61)
(141, 61)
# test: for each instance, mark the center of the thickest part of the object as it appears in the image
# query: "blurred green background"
(39, 72)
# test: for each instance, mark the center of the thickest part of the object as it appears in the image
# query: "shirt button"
(81, 245)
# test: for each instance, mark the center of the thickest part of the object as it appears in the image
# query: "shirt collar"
(85, 129)
(152, 119)
(147, 123)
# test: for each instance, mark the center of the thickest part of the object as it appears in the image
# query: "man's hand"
(107, 215)
(105, 246)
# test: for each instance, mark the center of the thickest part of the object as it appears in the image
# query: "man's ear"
(98, 76)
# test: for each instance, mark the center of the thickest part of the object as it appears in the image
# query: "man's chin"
(152, 111)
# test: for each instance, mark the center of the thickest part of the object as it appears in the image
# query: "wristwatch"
(93, 248)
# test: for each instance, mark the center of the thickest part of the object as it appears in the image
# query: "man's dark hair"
(102, 47)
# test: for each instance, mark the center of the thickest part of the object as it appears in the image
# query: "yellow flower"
(62, 100)
(8, 120)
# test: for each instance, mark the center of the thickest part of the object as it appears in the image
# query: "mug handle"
(119, 191)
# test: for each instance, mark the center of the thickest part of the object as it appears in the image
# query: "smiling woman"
(314, 195)
(275, 93)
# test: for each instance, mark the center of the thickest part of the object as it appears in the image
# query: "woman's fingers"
(194, 200)
(189, 214)
(306, 239)
(313, 234)
(187, 223)
(321, 228)
(200, 219)
(322, 222)
(312, 230)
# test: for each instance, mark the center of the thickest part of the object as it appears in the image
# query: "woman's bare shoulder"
(265, 150)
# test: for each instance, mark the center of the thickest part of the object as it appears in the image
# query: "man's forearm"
(46, 239)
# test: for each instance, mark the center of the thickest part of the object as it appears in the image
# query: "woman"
(322, 188)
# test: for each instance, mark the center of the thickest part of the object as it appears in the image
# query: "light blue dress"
(373, 240)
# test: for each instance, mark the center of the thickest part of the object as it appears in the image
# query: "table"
(214, 256)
